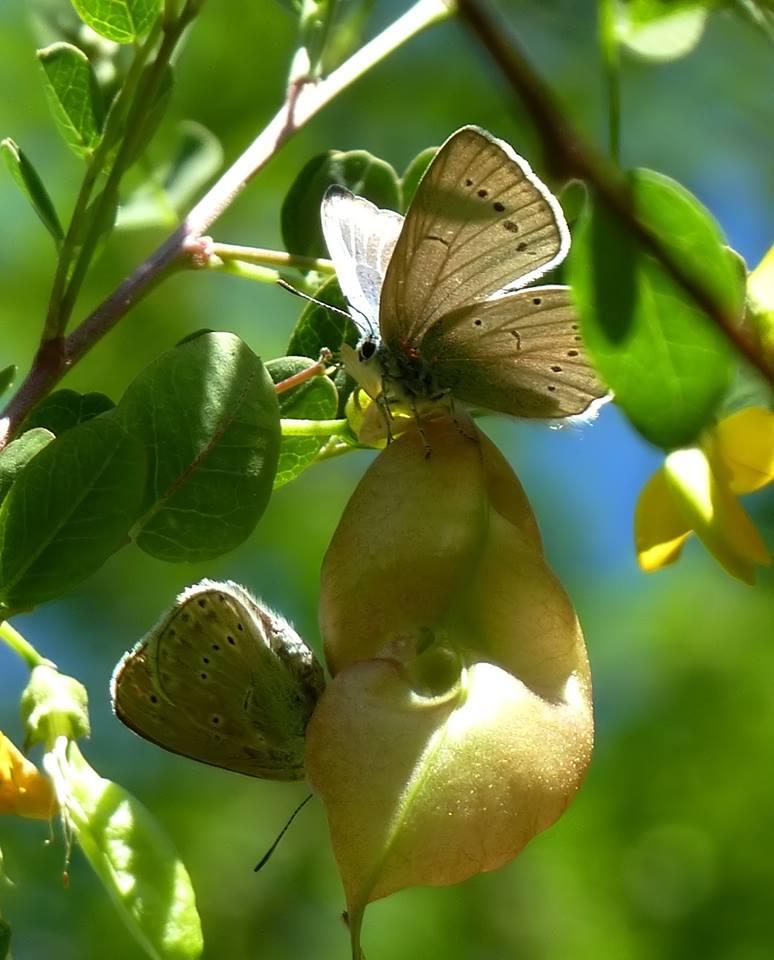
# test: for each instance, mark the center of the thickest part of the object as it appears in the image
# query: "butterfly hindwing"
(519, 354)
(360, 239)
(480, 222)
(204, 684)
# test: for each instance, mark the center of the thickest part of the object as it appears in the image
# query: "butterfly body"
(441, 297)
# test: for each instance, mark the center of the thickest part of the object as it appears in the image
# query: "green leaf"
(414, 173)
(152, 117)
(317, 399)
(661, 29)
(123, 21)
(7, 377)
(73, 96)
(357, 170)
(29, 182)
(69, 509)
(208, 415)
(5, 939)
(665, 360)
(197, 157)
(573, 200)
(318, 328)
(63, 409)
(18, 454)
(136, 862)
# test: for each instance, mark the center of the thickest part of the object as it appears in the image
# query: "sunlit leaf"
(208, 416)
(316, 399)
(661, 29)
(68, 510)
(665, 360)
(135, 861)
(122, 21)
(29, 182)
(359, 171)
(73, 95)
(18, 454)
(414, 173)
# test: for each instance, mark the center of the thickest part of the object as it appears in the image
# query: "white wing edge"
(551, 200)
(342, 213)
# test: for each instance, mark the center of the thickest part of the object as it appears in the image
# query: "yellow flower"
(24, 790)
(696, 490)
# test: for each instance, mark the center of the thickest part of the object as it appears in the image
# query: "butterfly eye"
(367, 349)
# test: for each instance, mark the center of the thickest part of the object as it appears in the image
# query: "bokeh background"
(667, 850)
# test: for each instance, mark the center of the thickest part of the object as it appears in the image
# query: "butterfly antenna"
(265, 858)
(305, 296)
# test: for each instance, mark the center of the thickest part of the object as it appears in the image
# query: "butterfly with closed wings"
(439, 297)
(224, 680)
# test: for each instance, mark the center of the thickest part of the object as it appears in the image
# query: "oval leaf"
(414, 173)
(73, 96)
(208, 416)
(316, 399)
(123, 21)
(661, 29)
(69, 509)
(29, 182)
(318, 328)
(136, 862)
(65, 409)
(18, 454)
(665, 360)
(358, 170)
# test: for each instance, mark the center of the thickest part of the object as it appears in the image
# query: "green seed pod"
(459, 720)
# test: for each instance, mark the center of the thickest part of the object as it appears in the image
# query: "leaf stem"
(13, 639)
(270, 258)
(569, 156)
(314, 428)
(57, 317)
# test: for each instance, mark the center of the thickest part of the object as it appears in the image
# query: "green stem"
(144, 96)
(314, 428)
(57, 356)
(57, 317)
(19, 645)
(269, 258)
(608, 44)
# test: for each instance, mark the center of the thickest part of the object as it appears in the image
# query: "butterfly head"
(363, 364)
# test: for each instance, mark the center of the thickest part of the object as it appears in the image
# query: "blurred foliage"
(666, 852)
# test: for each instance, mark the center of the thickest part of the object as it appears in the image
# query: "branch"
(304, 101)
(568, 156)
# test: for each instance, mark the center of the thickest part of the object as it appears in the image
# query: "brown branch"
(567, 156)
(303, 101)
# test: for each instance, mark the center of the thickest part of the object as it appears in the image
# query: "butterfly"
(440, 296)
(224, 680)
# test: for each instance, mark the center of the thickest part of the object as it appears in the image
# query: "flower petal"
(744, 442)
(24, 790)
(715, 514)
(660, 529)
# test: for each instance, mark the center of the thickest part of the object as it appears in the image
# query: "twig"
(568, 156)
(303, 102)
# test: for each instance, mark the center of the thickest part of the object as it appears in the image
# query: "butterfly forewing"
(205, 681)
(480, 222)
(360, 239)
(519, 354)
